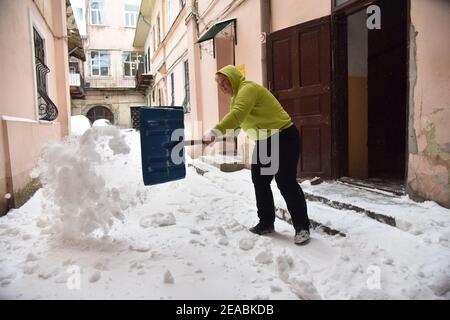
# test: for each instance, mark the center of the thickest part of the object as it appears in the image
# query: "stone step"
(281, 213)
(284, 215)
(347, 206)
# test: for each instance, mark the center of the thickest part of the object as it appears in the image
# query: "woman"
(253, 108)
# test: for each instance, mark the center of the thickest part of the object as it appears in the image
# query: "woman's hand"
(209, 138)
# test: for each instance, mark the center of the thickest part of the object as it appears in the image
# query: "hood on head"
(234, 75)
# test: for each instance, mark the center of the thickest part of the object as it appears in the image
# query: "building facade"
(112, 62)
(365, 81)
(37, 38)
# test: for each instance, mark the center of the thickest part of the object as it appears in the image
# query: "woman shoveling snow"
(261, 116)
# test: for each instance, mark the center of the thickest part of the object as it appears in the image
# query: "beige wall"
(429, 141)
(119, 102)
(21, 141)
(287, 13)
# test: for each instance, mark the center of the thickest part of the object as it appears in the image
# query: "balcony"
(76, 83)
(143, 80)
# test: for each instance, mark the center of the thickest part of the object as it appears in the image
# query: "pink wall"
(429, 144)
(21, 142)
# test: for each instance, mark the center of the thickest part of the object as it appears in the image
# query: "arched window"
(100, 112)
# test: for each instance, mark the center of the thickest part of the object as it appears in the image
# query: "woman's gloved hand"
(209, 137)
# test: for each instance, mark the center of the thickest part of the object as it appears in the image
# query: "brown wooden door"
(299, 72)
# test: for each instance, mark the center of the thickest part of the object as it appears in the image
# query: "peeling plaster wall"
(429, 129)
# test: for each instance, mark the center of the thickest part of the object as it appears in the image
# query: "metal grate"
(46, 108)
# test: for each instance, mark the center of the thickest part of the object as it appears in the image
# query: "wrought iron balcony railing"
(46, 108)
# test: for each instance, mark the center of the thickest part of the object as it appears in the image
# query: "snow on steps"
(201, 168)
(420, 219)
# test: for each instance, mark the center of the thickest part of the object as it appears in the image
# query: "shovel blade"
(163, 159)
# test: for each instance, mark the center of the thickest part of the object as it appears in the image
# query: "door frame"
(339, 84)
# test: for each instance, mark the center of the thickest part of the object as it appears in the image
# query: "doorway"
(374, 100)
(100, 112)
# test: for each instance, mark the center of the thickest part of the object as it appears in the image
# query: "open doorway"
(376, 98)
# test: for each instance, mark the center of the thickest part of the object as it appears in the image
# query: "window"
(79, 14)
(131, 62)
(41, 68)
(172, 89)
(73, 67)
(131, 15)
(100, 63)
(158, 25)
(154, 39)
(97, 12)
(148, 58)
(187, 98)
(172, 11)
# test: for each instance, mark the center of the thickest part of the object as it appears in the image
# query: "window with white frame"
(170, 12)
(100, 63)
(131, 15)
(97, 12)
(131, 62)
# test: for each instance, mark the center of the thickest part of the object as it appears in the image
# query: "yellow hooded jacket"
(253, 108)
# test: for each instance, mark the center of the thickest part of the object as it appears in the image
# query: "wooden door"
(299, 73)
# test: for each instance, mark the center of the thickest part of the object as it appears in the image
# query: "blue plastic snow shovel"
(161, 162)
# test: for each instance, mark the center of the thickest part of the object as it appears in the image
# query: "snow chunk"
(30, 268)
(304, 288)
(139, 247)
(168, 278)
(275, 289)
(223, 241)
(264, 257)
(79, 125)
(159, 220)
(284, 264)
(247, 243)
(95, 276)
(68, 173)
(31, 257)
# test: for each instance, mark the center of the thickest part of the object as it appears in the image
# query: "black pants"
(289, 151)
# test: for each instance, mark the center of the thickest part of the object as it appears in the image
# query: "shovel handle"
(188, 143)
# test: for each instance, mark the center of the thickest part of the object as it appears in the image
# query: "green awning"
(216, 28)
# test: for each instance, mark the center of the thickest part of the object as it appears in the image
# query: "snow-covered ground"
(94, 231)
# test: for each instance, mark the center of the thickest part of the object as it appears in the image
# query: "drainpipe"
(265, 16)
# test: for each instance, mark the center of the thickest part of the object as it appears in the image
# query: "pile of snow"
(79, 125)
(101, 123)
(82, 203)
